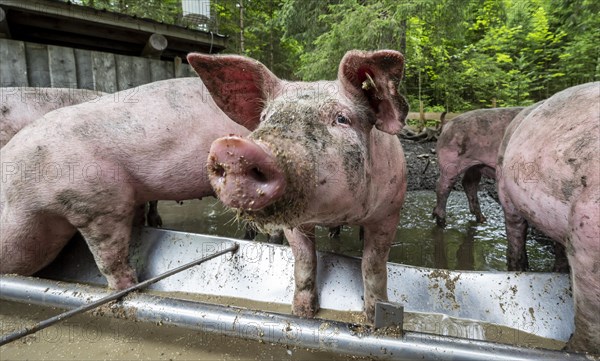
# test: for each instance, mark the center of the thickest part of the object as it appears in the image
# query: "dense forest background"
(460, 54)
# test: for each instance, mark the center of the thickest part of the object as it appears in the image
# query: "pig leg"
(249, 233)
(107, 236)
(139, 218)
(470, 184)
(516, 233)
(334, 232)
(448, 177)
(306, 299)
(378, 240)
(153, 218)
(561, 263)
(29, 243)
(584, 257)
(276, 237)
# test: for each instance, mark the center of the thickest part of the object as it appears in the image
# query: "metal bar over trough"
(537, 303)
(270, 327)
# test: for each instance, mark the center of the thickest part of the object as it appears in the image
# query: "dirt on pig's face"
(320, 141)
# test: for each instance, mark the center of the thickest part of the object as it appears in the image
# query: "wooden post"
(241, 27)
(155, 45)
(177, 66)
(4, 31)
(422, 121)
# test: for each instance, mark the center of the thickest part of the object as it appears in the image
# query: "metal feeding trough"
(475, 312)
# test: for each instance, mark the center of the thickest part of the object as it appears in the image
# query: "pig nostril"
(218, 170)
(258, 175)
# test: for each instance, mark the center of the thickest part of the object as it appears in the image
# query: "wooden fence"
(24, 64)
(431, 116)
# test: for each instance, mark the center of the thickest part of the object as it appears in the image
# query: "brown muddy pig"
(549, 177)
(469, 145)
(88, 166)
(324, 153)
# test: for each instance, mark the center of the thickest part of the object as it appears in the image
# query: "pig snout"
(243, 174)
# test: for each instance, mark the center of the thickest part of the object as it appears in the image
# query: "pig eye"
(340, 119)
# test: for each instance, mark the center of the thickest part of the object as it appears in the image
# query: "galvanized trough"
(474, 313)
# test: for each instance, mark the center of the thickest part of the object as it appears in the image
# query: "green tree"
(579, 50)
(460, 54)
(262, 33)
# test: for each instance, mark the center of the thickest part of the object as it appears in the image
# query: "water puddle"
(462, 245)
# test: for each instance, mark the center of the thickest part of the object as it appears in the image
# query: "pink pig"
(469, 145)
(549, 177)
(21, 106)
(324, 153)
(87, 167)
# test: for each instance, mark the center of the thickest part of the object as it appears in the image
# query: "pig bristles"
(268, 228)
(227, 211)
(233, 221)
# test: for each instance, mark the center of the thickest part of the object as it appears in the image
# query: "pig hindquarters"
(549, 176)
(324, 153)
(469, 145)
(20, 106)
(87, 166)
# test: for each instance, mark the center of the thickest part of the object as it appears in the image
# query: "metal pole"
(51, 321)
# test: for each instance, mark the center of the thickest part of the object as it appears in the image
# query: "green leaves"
(460, 54)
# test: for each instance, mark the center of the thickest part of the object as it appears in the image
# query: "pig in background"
(88, 167)
(324, 153)
(549, 177)
(20, 106)
(468, 144)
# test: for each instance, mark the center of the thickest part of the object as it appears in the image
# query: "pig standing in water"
(21, 106)
(324, 153)
(88, 166)
(549, 176)
(469, 144)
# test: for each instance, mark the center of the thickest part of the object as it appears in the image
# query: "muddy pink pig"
(21, 106)
(87, 167)
(469, 145)
(324, 153)
(549, 177)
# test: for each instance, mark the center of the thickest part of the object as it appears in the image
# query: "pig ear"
(238, 85)
(373, 77)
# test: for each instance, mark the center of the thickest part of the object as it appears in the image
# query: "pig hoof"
(581, 344)
(305, 304)
(441, 221)
(369, 317)
(155, 221)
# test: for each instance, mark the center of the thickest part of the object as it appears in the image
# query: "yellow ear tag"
(369, 83)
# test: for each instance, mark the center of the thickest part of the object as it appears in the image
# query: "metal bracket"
(388, 314)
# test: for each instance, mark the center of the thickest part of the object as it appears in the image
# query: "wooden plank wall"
(36, 65)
